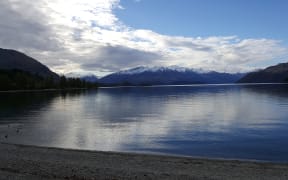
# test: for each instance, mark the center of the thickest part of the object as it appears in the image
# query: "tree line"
(22, 80)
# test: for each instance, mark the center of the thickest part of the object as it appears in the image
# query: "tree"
(63, 82)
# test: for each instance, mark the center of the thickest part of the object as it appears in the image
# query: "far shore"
(104, 87)
(31, 162)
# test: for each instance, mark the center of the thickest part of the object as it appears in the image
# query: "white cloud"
(86, 35)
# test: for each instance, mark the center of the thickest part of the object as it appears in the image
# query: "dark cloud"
(22, 26)
(118, 57)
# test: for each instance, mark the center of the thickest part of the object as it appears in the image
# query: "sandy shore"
(28, 162)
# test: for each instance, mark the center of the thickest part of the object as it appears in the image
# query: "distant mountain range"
(14, 60)
(272, 74)
(11, 60)
(172, 75)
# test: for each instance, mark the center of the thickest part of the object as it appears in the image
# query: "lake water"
(218, 121)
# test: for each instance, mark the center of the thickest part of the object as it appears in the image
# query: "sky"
(105, 36)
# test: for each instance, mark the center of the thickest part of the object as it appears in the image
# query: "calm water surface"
(231, 121)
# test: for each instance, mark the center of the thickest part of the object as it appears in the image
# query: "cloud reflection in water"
(217, 121)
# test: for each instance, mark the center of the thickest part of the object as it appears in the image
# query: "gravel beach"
(29, 162)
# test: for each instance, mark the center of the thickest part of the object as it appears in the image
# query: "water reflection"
(216, 121)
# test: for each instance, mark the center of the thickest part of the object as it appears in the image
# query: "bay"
(215, 121)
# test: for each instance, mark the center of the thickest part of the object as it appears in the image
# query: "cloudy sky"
(103, 36)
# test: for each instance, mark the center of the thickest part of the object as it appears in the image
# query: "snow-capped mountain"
(89, 77)
(171, 75)
(143, 69)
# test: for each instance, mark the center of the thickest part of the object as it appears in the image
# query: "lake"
(216, 121)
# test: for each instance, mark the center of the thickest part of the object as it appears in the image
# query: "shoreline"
(194, 85)
(41, 90)
(33, 162)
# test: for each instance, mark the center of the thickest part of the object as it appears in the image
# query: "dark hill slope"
(272, 74)
(11, 60)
